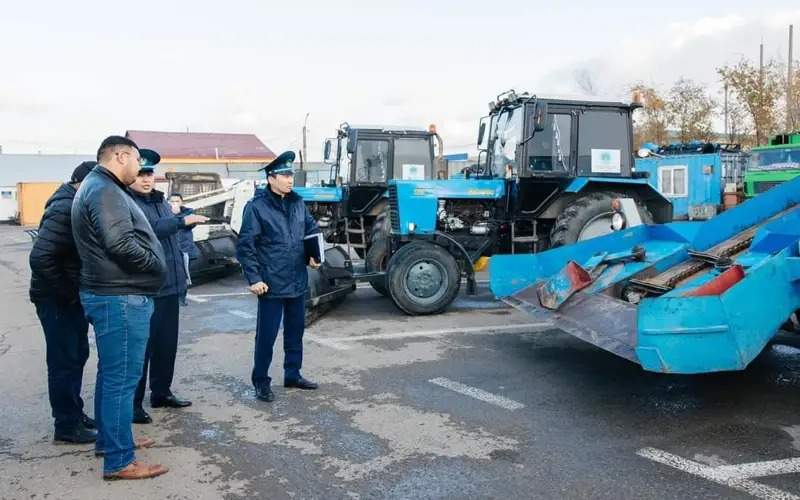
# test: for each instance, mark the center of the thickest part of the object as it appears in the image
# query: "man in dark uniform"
(162, 345)
(272, 254)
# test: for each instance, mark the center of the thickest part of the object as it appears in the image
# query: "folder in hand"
(314, 245)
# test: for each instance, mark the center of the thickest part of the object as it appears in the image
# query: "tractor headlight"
(412, 227)
(617, 221)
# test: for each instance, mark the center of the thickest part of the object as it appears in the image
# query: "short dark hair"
(178, 195)
(111, 142)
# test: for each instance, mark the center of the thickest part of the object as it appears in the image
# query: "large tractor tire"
(377, 258)
(589, 217)
(423, 278)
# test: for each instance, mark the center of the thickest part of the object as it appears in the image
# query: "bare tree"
(759, 91)
(650, 122)
(740, 125)
(794, 112)
(585, 82)
(690, 110)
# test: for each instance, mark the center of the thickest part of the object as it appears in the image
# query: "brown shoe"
(140, 442)
(137, 470)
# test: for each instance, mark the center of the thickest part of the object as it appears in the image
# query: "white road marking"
(242, 314)
(733, 476)
(479, 394)
(326, 342)
(204, 297)
(762, 469)
(521, 328)
(477, 282)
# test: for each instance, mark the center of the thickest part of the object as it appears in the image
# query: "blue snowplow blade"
(676, 310)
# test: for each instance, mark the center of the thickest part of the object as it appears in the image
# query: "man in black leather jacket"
(122, 267)
(54, 291)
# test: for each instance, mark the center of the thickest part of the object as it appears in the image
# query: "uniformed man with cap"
(272, 254)
(162, 345)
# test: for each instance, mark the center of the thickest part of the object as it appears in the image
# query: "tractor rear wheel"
(423, 278)
(589, 217)
(377, 257)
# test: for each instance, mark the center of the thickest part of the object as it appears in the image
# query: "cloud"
(59, 92)
(684, 33)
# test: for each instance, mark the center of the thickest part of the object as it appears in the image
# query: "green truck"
(773, 164)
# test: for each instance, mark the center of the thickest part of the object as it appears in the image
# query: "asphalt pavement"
(479, 402)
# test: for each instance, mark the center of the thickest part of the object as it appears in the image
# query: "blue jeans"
(65, 332)
(270, 312)
(121, 326)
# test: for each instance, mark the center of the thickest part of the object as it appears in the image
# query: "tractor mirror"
(481, 131)
(352, 140)
(539, 116)
(300, 178)
(328, 150)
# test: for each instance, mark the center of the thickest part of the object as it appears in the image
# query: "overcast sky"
(73, 72)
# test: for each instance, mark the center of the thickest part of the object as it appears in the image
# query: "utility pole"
(760, 92)
(727, 138)
(305, 144)
(790, 118)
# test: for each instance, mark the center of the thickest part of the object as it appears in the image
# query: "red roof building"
(200, 147)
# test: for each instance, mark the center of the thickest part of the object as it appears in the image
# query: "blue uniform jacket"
(185, 238)
(270, 246)
(166, 226)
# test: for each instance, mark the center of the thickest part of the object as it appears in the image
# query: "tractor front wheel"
(423, 278)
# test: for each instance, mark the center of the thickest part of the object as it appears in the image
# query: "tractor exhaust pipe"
(440, 162)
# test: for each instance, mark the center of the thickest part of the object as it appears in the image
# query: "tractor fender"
(458, 251)
(658, 205)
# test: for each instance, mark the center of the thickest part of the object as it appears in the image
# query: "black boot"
(264, 393)
(79, 435)
(301, 383)
(169, 401)
(141, 417)
(88, 422)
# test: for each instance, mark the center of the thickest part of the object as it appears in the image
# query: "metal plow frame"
(706, 322)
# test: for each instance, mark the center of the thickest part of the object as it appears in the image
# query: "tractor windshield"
(775, 159)
(506, 136)
(339, 161)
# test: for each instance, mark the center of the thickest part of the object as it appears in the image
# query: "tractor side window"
(603, 143)
(412, 159)
(507, 135)
(372, 161)
(550, 149)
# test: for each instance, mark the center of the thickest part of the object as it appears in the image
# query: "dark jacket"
(54, 261)
(185, 238)
(120, 254)
(270, 246)
(167, 226)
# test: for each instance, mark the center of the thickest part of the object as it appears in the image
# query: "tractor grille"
(760, 187)
(394, 213)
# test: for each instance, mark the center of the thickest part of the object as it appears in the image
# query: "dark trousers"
(162, 347)
(65, 333)
(270, 312)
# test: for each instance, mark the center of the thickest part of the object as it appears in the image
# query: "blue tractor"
(550, 172)
(351, 206)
